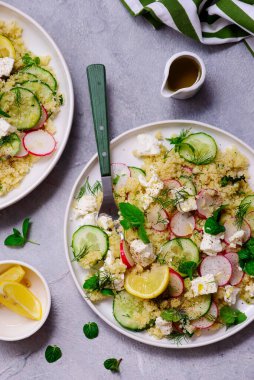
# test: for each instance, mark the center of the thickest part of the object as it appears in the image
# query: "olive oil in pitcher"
(184, 72)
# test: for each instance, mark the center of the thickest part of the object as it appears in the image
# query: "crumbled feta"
(105, 222)
(185, 200)
(165, 327)
(250, 290)
(230, 294)
(90, 219)
(5, 128)
(6, 66)
(204, 285)
(110, 258)
(147, 145)
(153, 188)
(236, 239)
(118, 282)
(142, 253)
(211, 244)
(85, 205)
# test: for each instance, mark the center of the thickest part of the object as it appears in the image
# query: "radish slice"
(43, 119)
(172, 184)
(176, 284)
(187, 169)
(217, 265)
(208, 319)
(39, 143)
(125, 255)
(158, 218)
(22, 151)
(237, 274)
(207, 202)
(231, 229)
(120, 174)
(182, 225)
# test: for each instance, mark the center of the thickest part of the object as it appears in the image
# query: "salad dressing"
(184, 72)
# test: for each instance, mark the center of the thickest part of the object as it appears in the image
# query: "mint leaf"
(231, 317)
(171, 315)
(112, 364)
(52, 354)
(107, 292)
(17, 239)
(14, 241)
(249, 268)
(132, 213)
(29, 61)
(25, 227)
(212, 225)
(92, 283)
(91, 330)
(188, 268)
(142, 234)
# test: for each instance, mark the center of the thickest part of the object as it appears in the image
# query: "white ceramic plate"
(121, 149)
(38, 41)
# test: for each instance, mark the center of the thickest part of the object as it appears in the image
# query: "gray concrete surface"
(89, 31)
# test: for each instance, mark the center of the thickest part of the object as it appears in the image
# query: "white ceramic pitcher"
(186, 92)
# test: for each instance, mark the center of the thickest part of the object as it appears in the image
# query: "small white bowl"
(14, 327)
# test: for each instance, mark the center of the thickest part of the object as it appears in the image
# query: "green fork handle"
(96, 75)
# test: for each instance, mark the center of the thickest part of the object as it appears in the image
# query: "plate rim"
(69, 122)
(120, 329)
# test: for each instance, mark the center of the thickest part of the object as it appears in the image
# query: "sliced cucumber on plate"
(187, 182)
(136, 172)
(198, 306)
(9, 145)
(42, 74)
(130, 312)
(42, 91)
(198, 148)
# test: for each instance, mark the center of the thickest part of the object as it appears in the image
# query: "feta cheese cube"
(105, 222)
(5, 128)
(165, 327)
(147, 145)
(204, 285)
(6, 66)
(110, 258)
(211, 244)
(230, 294)
(142, 253)
(153, 188)
(185, 200)
(236, 239)
(85, 205)
(118, 282)
(90, 219)
(250, 290)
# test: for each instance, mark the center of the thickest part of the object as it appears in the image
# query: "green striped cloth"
(208, 21)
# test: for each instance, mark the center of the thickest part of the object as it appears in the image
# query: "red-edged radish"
(158, 218)
(231, 229)
(120, 175)
(176, 284)
(125, 254)
(187, 169)
(43, 119)
(182, 224)
(208, 319)
(219, 266)
(172, 184)
(237, 273)
(207, 202)
(39, 143)
(22, 151)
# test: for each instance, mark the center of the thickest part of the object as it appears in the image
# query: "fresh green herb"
(107, 292)
(188, 268)
(82, 253)
(172, 315)
(4, 114)
(178, 337)
(246, 257)
(17, 239)
(52, 354)
(18, 96)
(133, 217)
(178, 140)
(241, 211)
(161, 220)
(92, 283)
(231, 317)
(98, 281)
(91, 330)
(227, 179)
(61, 100)
(8, 139)
(29, 61)
(87, 189)
(116, 179)
(112, 364)
(212, 225)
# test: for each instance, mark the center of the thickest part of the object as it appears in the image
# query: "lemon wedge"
(148, 284)
(6, 48)
(20, 300)
(15, 273)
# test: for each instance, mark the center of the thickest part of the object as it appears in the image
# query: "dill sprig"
(18, 97)
(161, 220)
(241, 211)
(87, 189)
(82, 253)
(177, 141)
(177, 337)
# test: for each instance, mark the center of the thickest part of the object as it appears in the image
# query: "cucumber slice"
(22, 106)
(198, 306)
(9, 145)
(187, 182)
(91, 237)
(136, 172)
(178, 250)
(130, 312)
(43, 74)
(198, 148)
(249, 199)
(42, 91)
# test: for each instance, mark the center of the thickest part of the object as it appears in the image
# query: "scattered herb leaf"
(227, 179)
(87, 189)
(188, 268)
(231, 317)
(241, 211)
(17, 239)
(29, 61)
(178, 337)
(52, 354)
(172, 315)
(4, 114)
(246, 257)
(91, 330)
(112, 364)
(212, 225)
(178, 140)
(133, 217)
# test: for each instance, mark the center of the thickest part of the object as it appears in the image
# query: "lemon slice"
(20, 300)
(15, 273)
(148, 284)
(6, 48)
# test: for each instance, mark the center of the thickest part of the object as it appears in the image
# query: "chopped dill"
(87, 189)
(241, 211)
(178, 337)
(177, 141)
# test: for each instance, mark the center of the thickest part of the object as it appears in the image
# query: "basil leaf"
(25, 227)
(112, 364)
(91, 330)
(52, 354)
(231, 317)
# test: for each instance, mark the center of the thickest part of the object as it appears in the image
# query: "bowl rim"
(48, 296)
